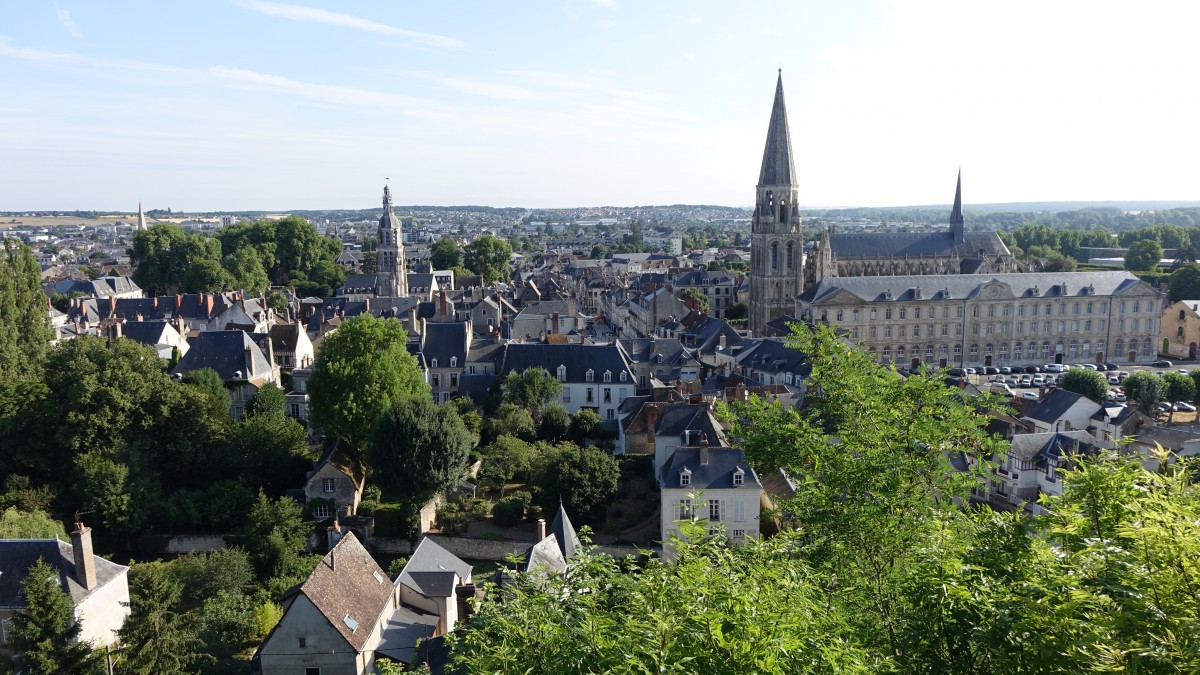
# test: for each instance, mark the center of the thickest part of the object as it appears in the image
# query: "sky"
(219, 105)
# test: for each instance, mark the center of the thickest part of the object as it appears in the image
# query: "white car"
(1185, 407)
(1031, 395)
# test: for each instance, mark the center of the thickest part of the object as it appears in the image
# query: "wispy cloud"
(64, 17)
(27, 54)
(326, 93)
(315, 15)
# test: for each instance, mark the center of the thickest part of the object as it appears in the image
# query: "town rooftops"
(232, 353)
(577, 359)
(1055, 404)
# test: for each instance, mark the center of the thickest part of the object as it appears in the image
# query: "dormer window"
(453, 361)
(589, 376)
(624, 377)
(608, 376)
(433, 363)
(739, 476)
(562, 373)
(685, 477)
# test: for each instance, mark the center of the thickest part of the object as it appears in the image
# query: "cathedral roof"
(915, 244)
(777, 166)
(942, 287)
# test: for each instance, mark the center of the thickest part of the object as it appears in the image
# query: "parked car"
(1122, 375)
(1026, 380)
(1031, 395)
(1005, 370)
(1013, 382)
(990, 370)
(957, 372)
(1114, 380)
(1120, 397)
(1038, 381)
(1185, 407)
(1111, 366)
(1161, 364)
(1181, 371)
(970, 371)
(1164, 407)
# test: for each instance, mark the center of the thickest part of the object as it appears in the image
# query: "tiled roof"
(349, 584)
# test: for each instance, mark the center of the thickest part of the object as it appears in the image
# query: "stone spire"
(391, 272)
(141, 224)
(956, 213)
(777, 166)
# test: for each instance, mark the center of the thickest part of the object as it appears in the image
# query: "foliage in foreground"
(878, 570)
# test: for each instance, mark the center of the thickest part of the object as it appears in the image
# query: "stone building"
(1181, 329)
(776, 240)
(390, 264)
(955, 251)
(997, 320)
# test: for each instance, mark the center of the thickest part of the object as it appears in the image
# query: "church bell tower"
(776, 236)
(391, 274)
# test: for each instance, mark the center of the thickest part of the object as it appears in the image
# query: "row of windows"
(686, 509)
(1020, 351)
(590, 375)
(978, 311)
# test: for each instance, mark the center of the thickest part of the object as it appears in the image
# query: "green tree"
(25, 330)
(1089, 383)
(1143, 255)
(444, 254)
(157, 638)
(695, 298)
(209, 381)
(1185, 282)
(275, 535)
(43, 638)
(267, 451)
(34, 524)
(556, 422)
(300, 251)
(362, 370)
(505, 459)
(1179, 387)
(1144, 390)
(585, 424)
(509, 420)
(488, 257)
(532, 389)
(418, 451)
(584, 480)
(168, 260)
(270, 399)
(245, 265)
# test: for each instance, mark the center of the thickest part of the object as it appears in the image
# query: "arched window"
(608, 376)
(453, 361)
(791, 256)
(623, 376)
(562, 373)
(589, 376)
(958, 351)
(928, 352)
(900, 353)
(1046, 349)
(1087, 348)
(1120, 346)
(887, 352)
(974, 352)
(433, 363)
(987, 349)
(775, 255)
(1073, 349)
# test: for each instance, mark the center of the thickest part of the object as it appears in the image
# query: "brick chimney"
(112, 305)
(270, 351)
(85, 561)
(178, 302)
(651, 420)
(442, 304)
(541, 529)
(703, 449)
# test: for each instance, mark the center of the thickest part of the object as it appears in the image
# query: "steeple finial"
(777, 165)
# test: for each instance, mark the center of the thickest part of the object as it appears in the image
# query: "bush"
(509, 511)
(452, 521)
(477, 509)
(370, 500)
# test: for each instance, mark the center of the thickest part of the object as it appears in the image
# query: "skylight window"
(351, 623)
(378, 576)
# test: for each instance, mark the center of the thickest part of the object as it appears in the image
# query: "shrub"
(477, 509)
(452, 521)
(509, 511)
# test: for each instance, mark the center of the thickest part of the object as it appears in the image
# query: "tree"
(167, 260)
(1179, 387)
(582, 479)
(362, 370)
(1145, 390)
(556, 422)
(1143, 255)
(35, 524)
(1089, 383)
(245, 265)
(418, 451)
(509, 420)
(25, 330)
(505, 459)
(585, 424)
(737, 311)
(444, 254)
(44, 637)
(488, 257)
(268, 400)
(209, 381)
(300, 251)
(695, 298)
(1185, 282)
(532, 389)
(157, 638)
(275, 535)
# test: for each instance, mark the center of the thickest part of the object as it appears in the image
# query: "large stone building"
(390, 265)
(995, 320)
(955, 251)
(776, 239)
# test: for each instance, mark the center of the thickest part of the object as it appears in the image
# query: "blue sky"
(257, 104)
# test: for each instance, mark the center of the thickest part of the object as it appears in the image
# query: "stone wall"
(195, 543)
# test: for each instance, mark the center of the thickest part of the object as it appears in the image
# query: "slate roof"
(430, 558)
(18, 555)
(577, 358)
(703, 277)
(1054, 405)
(346, 582)
(147, 332)
(915, 244)
(420, 280)
(777, 165)
(1038, 448)
(545, 555)
(433, 584)
(564, 533)
(225, 352)
(677, 418)
(716, 475)
(444, 340)
(939, 288)
(284, 336)
(359, 282)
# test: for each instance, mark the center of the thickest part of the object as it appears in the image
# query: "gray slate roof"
(577, 358)
(146, 332)
(1055, 404)
(564, 533)
(18, 555)
(225, 352)
(444, 340)
(777, 166)
(986, 245)
(716, 475)
(432, 559)
(943, 287)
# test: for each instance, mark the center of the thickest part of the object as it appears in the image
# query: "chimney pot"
(541, 529)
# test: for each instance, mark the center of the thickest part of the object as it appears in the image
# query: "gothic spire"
(956, 213)
(141, 221)
(777, 166)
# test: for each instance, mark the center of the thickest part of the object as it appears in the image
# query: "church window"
(775, 256)
(791, 256)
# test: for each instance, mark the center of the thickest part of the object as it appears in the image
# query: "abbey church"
(780, 268)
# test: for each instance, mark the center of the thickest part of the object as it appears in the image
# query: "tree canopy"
(488, 257)
(445, 254)
(1143, 255)
(1089, 383)
(43, 637)
(361, 371)
(25, 330)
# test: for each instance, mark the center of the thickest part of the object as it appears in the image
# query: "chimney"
(333, 536)
(208, 305)
(651, 420)
(270, 351)
(249, 362)
(367, 305)
(112, 305)
(442, 304)
(178, 302)
(155, 303)
(554, 328)
(541, 524)
(85, 562)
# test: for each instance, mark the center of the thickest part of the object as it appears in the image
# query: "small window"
(453, 361)
(685, 477)
(739, 477)
(433, 363)
(378, 578)
(562, 373)
(327, 485)
(350, 623)
(589, 376)
(714, 510)
(608, 376)
(739, 534)
(624, 376)
(303, 643)
(321, 511)
(312, 671)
